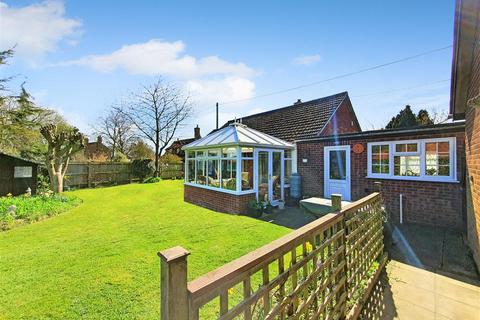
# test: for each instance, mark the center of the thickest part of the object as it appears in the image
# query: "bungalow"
(421, 170)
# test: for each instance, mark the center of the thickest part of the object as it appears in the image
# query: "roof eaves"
(456, 126)
(20, 158)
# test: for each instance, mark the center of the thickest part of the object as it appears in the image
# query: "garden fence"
(323, 270)
(91, 174)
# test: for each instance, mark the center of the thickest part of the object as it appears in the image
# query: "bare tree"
(63, 142)
(438, 116)
(117, 129)
(157, 111)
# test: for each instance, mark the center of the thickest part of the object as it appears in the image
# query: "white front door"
(269, 175)
(337, 171)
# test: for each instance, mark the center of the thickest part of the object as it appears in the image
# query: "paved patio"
(431, 274)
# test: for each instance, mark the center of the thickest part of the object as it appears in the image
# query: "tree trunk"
(59, 177)
(157, 162)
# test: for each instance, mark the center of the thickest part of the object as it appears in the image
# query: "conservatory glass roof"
(237, 134)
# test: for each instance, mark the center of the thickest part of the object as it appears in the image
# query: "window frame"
(205, 156)
(285, 159)
(421, 152)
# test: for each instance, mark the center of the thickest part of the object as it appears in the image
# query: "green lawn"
(99, 260)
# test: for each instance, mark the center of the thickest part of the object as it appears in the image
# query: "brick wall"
(472, 148)
(218, 201)
(343, 121)
(433, 203)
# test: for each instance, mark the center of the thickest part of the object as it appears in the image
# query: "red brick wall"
(433, 203)
(472, 148)
(218, 201)
(343, 121)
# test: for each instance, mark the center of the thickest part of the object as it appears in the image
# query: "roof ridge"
(303, 103)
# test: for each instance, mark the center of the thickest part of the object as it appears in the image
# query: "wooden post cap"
(336, 201)
(173, 253)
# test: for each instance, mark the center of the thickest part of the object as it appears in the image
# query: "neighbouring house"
(17, 175)
(176, 146)
(420, 170)
(93, 151)
(465, 104)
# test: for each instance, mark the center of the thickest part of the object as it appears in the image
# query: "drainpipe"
(401, 208)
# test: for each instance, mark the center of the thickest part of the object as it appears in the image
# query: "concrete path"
(407, 292)
(431, 276)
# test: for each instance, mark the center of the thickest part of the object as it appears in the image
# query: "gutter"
(460, 126)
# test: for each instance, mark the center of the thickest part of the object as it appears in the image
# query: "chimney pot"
(298, 101)
(196, 132)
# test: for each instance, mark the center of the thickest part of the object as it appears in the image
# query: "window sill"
(237, 193)
(419, 179)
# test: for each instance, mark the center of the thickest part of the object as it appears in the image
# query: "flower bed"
(28, 209)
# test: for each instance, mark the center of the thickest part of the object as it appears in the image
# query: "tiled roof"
(300, 120)
(180, 143)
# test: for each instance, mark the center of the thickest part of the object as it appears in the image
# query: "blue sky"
(81, 56)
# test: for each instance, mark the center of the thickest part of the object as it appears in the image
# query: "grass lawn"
(99, 260)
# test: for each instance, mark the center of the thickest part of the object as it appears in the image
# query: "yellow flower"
(231, 291)
(9, 195)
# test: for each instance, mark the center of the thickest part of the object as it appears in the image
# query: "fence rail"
(92, 174)
(319, 271)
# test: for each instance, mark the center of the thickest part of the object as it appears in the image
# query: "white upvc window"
(423, 159)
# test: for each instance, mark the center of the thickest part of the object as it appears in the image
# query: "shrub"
(141, 168)
(30, 209)
(120, 157)
(152, 180)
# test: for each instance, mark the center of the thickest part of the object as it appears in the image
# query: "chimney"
(298, 101)
(85, 140)
(99, 139)
(196, 132)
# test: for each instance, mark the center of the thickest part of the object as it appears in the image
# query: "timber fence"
(92, 174)
(323, 270)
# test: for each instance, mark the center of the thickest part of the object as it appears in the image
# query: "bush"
(31, 209)
(120, 157)
(152, 180)
(141, 168)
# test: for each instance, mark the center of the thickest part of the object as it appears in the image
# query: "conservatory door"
(337, 171)
(269, 176)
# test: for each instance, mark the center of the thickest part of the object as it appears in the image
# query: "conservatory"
(234, 165)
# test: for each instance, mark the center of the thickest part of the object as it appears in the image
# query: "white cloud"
(157, 57)
(307, 60)
(36, 29)
(230, 88)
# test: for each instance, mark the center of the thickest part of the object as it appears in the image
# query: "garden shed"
(234, 165)
(17, 175)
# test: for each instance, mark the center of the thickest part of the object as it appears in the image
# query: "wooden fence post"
(173, 284)
(89, 175)
(336, 202)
